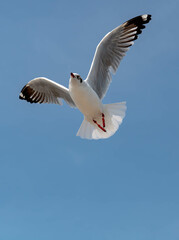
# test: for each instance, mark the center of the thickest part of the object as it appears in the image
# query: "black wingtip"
(20, 97)
(25, 94)
(138, 22)
(149, 17)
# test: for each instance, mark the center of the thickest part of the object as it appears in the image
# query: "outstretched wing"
(43, 90)
(110, 52)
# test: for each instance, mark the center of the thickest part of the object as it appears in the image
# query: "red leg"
(103, 120)
(102, 128)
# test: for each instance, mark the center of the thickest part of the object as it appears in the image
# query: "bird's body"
(85, 98)
(100, 120)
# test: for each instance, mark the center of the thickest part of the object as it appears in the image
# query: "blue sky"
(54, 185)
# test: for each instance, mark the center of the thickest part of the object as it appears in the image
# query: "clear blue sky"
(53, 185)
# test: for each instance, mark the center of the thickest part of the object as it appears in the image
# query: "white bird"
(100, 120)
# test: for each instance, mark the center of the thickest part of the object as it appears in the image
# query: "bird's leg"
(103, 120)
(102, 128)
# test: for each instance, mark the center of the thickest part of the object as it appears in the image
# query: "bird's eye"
(79, 78)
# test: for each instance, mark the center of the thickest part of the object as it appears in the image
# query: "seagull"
(100, 120)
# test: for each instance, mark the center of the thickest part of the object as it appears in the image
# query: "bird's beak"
(72, 75)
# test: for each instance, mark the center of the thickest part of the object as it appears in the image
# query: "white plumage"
(100, 120)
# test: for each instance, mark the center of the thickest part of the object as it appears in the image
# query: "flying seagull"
(100, 120)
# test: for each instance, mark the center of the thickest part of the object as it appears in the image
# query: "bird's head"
(76, 76)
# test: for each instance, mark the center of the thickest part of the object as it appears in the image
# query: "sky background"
(54, 185)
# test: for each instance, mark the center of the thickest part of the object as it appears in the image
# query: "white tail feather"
(114, 114)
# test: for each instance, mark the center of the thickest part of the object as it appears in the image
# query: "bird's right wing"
(110, 52)
(43, 90)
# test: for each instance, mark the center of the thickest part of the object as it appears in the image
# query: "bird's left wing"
(110, 52)
(43, 90)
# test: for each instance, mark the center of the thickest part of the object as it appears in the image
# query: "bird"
(100, 120)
